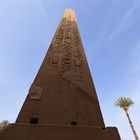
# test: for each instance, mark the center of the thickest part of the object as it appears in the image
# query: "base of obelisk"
(57, 132)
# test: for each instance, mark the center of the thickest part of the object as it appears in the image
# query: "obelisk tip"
(69, 14)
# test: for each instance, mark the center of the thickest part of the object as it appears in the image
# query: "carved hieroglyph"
(67, 55)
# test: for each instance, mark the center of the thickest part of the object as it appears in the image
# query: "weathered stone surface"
(62, 103)
(63, 91)
(58, 132)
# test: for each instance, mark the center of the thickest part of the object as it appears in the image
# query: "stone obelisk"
(62, 103)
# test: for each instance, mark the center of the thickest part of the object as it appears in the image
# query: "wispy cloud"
(124, 23)
(136, 58)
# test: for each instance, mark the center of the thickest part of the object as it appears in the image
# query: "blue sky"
(110, 31)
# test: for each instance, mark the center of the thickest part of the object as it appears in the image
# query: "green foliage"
(124, 103)
(4, 124)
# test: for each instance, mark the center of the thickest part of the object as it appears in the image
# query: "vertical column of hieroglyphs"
(66, 52)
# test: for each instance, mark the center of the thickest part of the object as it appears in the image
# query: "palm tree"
(124, 103)
(4, 124)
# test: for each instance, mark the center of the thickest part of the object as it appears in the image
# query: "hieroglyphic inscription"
(59, 37)
(77, 57)
(66, 51)
(56, 49)
(55, 59)
(68, 33)
(55, 54)
(67, 55)
(66, 60)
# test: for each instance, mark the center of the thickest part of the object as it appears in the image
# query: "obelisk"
(62, 103)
